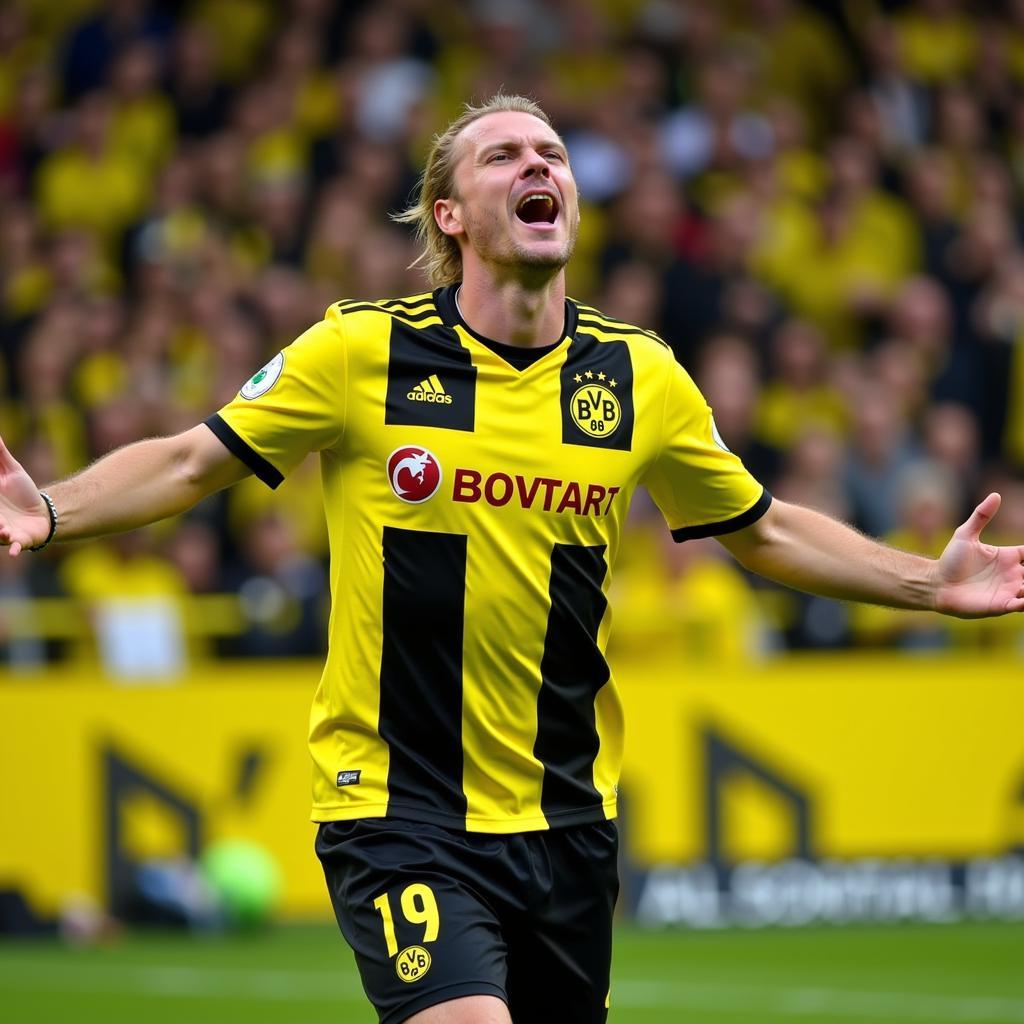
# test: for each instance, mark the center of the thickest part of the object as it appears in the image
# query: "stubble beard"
(510, 253)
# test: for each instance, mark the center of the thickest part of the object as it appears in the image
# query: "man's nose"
(534, 163)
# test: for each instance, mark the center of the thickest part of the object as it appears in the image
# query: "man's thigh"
(405, 901)
(468, 1010)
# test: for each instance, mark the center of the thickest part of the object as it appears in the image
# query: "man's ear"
(448, 216)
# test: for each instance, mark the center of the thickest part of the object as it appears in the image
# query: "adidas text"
(429, 396)
(430, 390)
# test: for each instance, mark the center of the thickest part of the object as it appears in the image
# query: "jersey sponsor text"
(544, 492)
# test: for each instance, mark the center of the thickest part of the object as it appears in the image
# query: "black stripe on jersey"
(421, 673)
(597, 393)
(611, 322)
(572, 671)
(752, 515)
(416, 354)
(617, 329)
(398, 314)
(271, 476)
(413, 303)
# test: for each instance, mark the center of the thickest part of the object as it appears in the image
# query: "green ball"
(245, 879)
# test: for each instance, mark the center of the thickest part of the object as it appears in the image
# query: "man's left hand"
(973, 579)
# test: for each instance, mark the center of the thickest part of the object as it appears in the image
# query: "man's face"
(514, 204)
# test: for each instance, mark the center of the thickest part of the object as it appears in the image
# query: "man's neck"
(511, 312)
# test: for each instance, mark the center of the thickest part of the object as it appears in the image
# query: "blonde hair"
(441, 257)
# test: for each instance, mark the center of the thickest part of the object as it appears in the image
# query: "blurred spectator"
(900, 100)
(960, 132)
(22, 643)
(928, 184)
(799, 395)
(239, 29)
(937, 39)
(142, 121)
(927, 516)
(721, 128)
(194, 551)
(880, 454)
(689, 598)
(921, 318)
(713, 276)
(199, 94)
(29, 127)
(797, 55)
(728, 374)
(134, 596)
(283, 594)
(950, 439)
(89, 184)
(382, 83)
(863, 244)
(812, 475)
(91, 48)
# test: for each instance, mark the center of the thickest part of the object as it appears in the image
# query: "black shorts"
(435, 914)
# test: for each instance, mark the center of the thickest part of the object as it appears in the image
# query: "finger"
(6, 458)
(980, 518)
(15, 549)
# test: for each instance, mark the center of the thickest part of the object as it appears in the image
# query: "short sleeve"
(701, 487)
(292, 406)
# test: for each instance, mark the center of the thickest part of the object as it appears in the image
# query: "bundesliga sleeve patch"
(265, 379)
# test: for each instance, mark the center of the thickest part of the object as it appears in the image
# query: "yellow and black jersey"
(474, 509)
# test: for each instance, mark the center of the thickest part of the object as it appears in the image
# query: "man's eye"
(496, 157)
(553, 155)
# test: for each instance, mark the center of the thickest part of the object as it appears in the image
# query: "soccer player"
(480, 444)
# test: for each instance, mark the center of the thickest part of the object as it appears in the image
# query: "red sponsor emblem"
(414, 473)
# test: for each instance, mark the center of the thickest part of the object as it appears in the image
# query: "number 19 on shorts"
(418, 906)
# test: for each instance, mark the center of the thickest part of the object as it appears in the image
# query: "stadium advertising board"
(801, 790)
(130, 775)
(824, 790)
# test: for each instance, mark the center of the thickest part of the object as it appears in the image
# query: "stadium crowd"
(817, 205)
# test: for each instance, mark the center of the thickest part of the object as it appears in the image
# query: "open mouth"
(538, 208)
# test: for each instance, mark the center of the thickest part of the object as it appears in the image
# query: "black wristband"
(52, 511)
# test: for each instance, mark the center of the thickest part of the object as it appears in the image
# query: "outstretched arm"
(809, 551)
(128, 488)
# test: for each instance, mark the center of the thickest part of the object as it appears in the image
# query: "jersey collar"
(444, 300)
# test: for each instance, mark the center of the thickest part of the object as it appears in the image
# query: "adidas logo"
(430, 390)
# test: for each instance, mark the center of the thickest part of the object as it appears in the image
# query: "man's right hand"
(24, 519)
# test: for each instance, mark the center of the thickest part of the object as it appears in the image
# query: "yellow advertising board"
(901, 757)
(99, 776)
(816, 789)
(819, 760)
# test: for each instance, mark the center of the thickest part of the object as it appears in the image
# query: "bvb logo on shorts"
(412, 964)
(594, 407)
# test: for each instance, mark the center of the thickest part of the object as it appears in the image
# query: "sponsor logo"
(260, 383)
(547, 493)
(430, 390)
(349, 778)
(414, 473)
(412, 964)
(594, 407)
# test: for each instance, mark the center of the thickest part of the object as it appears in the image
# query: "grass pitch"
(967, 973)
